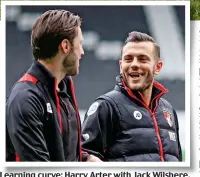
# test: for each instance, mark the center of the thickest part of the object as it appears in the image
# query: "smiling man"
(133, 122)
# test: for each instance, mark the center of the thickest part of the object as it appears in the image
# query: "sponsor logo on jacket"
(168, 117)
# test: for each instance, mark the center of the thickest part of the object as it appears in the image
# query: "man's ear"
(65, 46)
(158, 67)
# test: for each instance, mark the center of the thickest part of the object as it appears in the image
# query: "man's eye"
(143, 59)
(128, 59)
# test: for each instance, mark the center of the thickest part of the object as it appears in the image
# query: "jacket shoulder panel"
(166, 103)
(111, 97)
(24, 94)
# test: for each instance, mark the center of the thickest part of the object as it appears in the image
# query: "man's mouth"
(135, 75)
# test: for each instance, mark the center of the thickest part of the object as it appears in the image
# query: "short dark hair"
(136, 36)
(50, 29)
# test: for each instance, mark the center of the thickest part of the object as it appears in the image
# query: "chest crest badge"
(168, 117)
(137, 115)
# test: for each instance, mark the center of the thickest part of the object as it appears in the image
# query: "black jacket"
(34, 123)
(119, 126)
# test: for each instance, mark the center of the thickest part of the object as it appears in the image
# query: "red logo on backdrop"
(168, 117)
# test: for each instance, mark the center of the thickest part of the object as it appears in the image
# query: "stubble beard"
(142, 87)
(69, 65)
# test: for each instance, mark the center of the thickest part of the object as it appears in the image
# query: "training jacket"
(34, 123)
(119, 126)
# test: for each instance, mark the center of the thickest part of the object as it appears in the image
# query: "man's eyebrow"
(128, 55)
(143, 55)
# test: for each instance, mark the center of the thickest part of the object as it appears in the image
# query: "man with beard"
(42, 119)
(133, 122)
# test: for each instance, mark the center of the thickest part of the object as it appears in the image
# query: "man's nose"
(82, 51)
(135, 63)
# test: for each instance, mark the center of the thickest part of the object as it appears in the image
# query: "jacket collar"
(42, 74)
(46, 77)
(157, 92)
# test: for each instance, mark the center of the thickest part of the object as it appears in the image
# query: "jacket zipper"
(78, 118)
(161, 152)
(154, 118)
(76, 110)
(58, 107)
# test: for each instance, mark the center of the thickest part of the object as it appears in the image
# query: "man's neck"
(147, 95)
(54, 67)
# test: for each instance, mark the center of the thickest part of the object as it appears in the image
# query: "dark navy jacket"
(119, 126)
(34, 123)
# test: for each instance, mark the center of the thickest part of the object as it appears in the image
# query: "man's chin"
(135, 87)
(75, 73)
(72, 72)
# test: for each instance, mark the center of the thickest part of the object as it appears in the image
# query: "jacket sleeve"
(24, 123)
(97, 128)
(177, 129)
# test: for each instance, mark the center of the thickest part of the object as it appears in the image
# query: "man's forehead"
(80, 34)
(138, 47)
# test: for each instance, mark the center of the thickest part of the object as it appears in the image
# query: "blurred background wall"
(104, 29)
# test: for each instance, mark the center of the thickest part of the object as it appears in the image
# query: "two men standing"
(130, 123)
